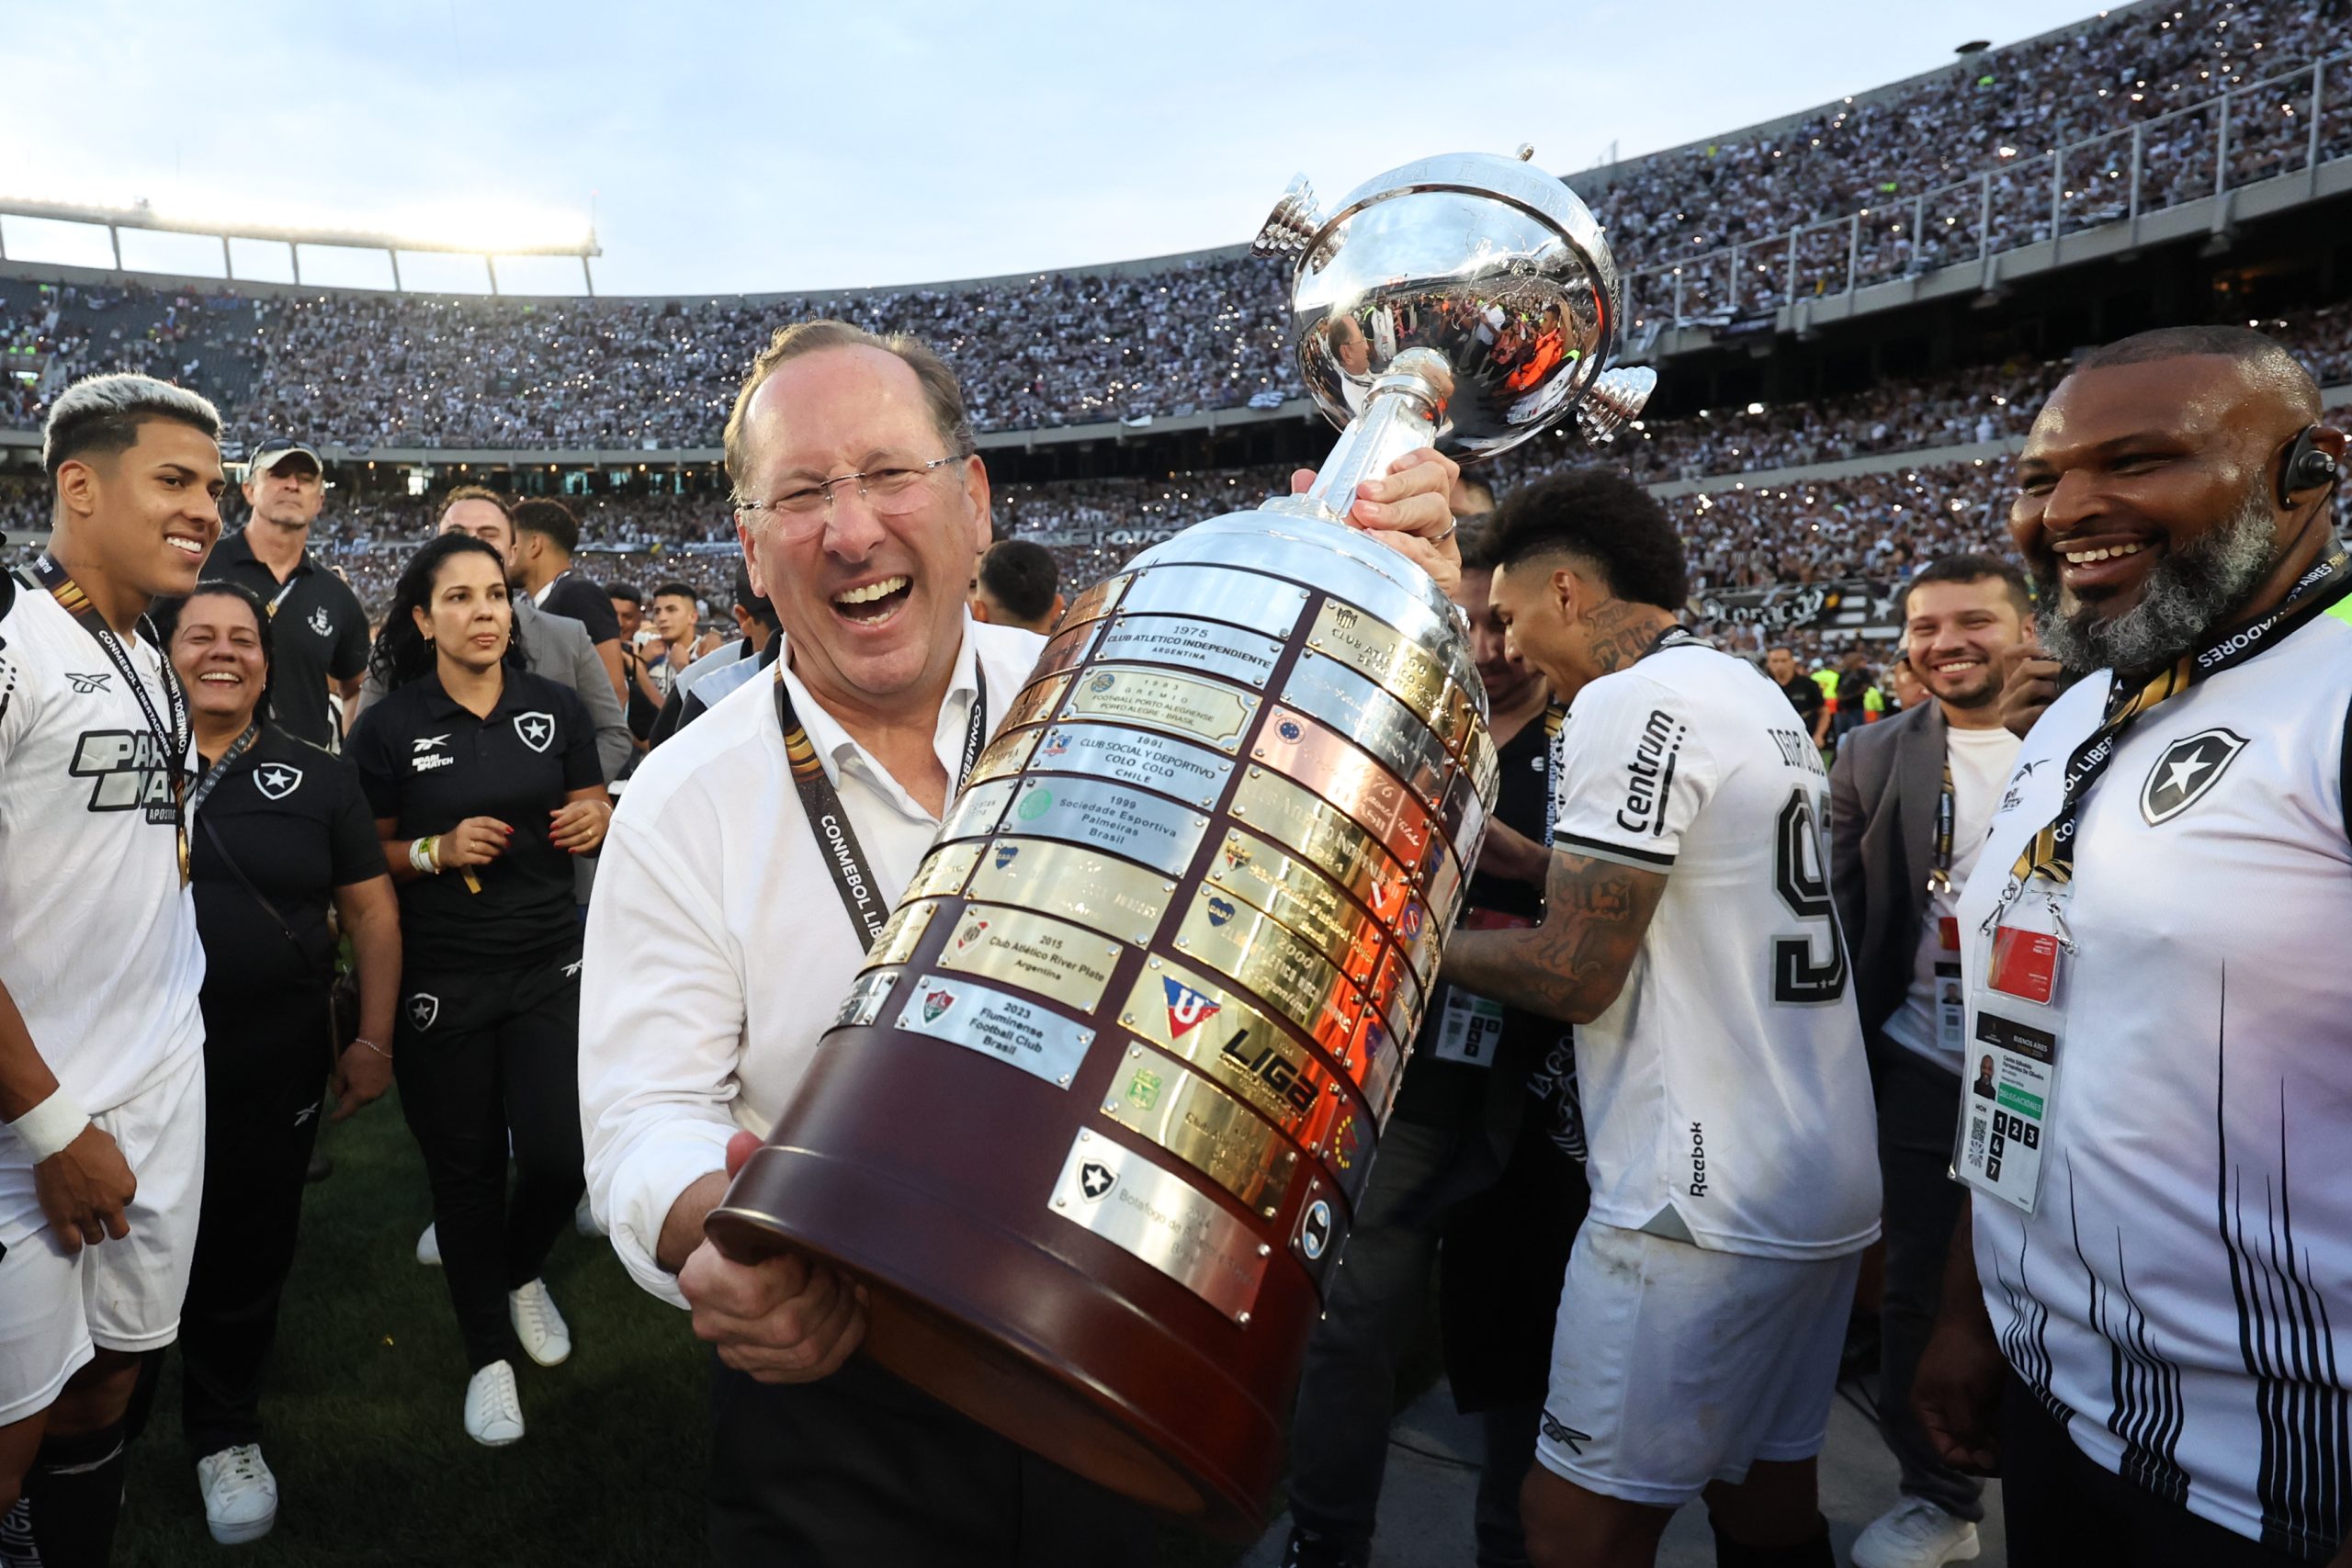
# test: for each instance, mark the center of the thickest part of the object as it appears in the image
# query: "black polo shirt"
(317, 629)
(1804, 696)
(428, 764)
(1440, 1093)
(295, 821)
(572, 594)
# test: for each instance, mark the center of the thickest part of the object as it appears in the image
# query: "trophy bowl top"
(1494, 264)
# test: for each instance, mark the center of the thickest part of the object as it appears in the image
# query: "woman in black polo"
(281, 833)
(484, 782)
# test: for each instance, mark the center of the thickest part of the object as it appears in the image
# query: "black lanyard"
(219, 770)
(173, 737)
(2052, 852)
(1946, 813)
(829, 819)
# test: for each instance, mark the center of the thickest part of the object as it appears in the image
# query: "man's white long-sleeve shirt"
(718, 946)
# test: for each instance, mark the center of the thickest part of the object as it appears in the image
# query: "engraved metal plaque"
(944, 870)
(1208, 647)
(1293, 816)
(975, 811)
(1236, 941)
(1216, 713)
(1349, 780)
(1067, 647)
(1463, 816)
(1416, 936)
(1109, 816)
(1036, 702)
(864, 1003)
(1096, 602)
(1382, 1066)
(1353, 707)
(1396, 995)
(1160, 1218)
(1348, 1155)
(896, 942)
(1193, 774)
(1242, 598)
(1484, 762)
(1295, 892)
(1203, 1126)
(1070, 880)
(1036, 953)
(1190, 1016)
(1030, 1035)
(1379, 651)
(1006, 755)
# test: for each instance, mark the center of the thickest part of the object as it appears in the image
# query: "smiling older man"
(2149, 1336)
(727, 934)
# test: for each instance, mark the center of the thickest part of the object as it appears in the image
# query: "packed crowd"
(1065, 348)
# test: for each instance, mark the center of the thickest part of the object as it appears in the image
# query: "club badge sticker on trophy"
(1091, 1127)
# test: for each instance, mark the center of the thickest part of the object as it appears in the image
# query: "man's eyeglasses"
(892, 492)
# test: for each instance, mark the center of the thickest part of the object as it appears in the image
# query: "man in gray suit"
(1909, 802)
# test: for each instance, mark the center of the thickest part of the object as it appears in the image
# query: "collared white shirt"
(718, 946)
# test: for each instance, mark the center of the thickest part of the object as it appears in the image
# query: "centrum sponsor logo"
(1650, 773)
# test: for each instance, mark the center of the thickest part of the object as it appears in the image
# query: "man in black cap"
(318, 630)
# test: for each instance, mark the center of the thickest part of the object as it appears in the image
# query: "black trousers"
(862, 1469)
(2066, 1509)
(1429, 1180)
(489, 1061)
(265, 1067)
(1918, 1104)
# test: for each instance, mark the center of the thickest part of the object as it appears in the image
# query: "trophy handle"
(1404, 411)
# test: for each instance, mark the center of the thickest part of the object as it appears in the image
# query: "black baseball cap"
(275, 450)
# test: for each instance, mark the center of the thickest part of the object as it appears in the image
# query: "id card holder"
(1470, 1028)
(2015, 1027)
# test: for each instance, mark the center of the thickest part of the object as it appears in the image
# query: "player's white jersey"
(97, 938)
(1727, 1083)
(2181, 1298)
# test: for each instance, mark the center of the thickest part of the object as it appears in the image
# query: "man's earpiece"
(2306, 468)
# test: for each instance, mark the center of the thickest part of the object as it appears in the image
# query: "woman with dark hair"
(485, 782)
(281, 833)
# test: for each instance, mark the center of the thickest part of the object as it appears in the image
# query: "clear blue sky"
(789, 145)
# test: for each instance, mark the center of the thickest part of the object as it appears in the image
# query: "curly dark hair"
(1603, 519)
(401, 654)
(167, 613)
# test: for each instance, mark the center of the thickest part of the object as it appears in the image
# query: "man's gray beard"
(2191, 594)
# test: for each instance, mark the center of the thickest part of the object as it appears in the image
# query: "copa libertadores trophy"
(1093, 1120)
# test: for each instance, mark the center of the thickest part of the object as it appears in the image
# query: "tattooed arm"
(1572, 966)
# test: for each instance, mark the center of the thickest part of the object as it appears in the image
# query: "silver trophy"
(1092, 1123)
(1475, 290)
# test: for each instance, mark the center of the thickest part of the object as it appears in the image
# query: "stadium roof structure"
(114, 220)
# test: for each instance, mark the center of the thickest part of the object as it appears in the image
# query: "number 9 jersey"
(1727, 1099)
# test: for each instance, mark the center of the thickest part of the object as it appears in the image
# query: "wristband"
(424, 855)
(48, 1127)
(363, 1040)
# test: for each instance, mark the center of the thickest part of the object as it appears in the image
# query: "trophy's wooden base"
(1061, 1358)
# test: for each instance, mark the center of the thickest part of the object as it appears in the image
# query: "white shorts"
(124, 1295)
(1673, 1366)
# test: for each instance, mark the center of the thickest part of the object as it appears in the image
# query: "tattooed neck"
(1621, 632)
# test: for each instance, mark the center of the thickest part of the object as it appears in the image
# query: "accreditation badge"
(1470, 1029)
(2014, 1026)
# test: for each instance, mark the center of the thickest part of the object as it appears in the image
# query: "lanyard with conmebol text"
(173, 737)
(829, 819)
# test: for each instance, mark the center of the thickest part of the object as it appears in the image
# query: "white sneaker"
(1915, 1534)
(428, 1248)
(538, 1325)
(494, 1408)
(240, 1494)
(583, 1218)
